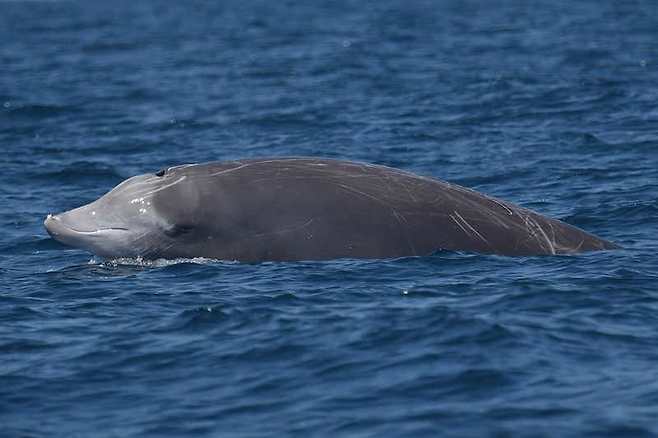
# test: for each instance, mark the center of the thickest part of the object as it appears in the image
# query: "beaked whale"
(305, 209)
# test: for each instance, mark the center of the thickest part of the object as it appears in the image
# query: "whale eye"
(160, 172)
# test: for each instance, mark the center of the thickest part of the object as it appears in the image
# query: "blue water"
(548, 104)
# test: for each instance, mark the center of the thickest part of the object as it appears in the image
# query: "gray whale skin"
(305, 209)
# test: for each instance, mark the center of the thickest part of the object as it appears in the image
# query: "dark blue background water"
(552, 105)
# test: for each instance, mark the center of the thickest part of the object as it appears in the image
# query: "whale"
(304, 208)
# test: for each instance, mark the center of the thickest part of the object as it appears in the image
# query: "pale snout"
(81, 235)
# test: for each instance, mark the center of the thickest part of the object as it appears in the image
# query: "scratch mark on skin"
(282, 160)
(436, 200)
(183, 166)
(411, 195)
(140, 194)
(386, 181)
(545, 236)
(538, 233)
(232, 169)
(257, 163)
(498, 220)
(468, 233)
(166, 186)
(374, 198)
(509, 211)
(401, 218)
(532, 233)
(528, 225)
(465, 222)
(358, 192)
(322, 178)
(398, 216)
(553, 238)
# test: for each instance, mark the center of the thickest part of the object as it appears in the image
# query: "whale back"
(314, 209)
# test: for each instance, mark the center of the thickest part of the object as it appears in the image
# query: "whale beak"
(60, 230)
(53, 225)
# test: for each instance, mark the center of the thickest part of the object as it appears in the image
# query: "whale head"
(142, 216)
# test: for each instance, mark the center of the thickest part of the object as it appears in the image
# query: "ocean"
(552, 105)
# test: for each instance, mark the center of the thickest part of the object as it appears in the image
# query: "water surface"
(551, 105)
